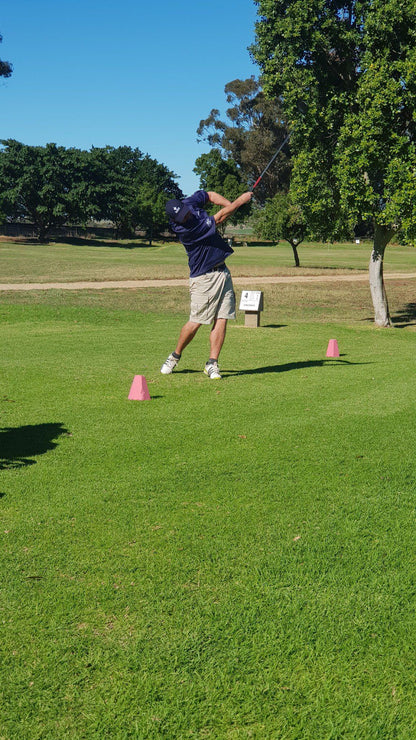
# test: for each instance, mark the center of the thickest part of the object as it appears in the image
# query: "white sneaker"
(169, 365)
(212, 370)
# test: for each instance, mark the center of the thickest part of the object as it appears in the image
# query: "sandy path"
(267, 279)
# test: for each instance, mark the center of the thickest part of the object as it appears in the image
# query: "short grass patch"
(228, 560)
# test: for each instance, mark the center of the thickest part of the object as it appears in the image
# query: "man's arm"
(216, 199)
(231, 207)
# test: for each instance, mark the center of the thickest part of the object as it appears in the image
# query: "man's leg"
(216, 340)
(188, 332)
(217, 336)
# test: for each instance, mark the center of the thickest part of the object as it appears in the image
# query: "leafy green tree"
(119, 175)
(149, 213)
(114, 172)
(253, 129)
(352, 66)
(51, 186)
(5, 67)
(44, 185)
(213, 170)
(155, 185)
(281, 219)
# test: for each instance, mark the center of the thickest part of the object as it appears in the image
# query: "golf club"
(271, 161)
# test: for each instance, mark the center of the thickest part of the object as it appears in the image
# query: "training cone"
(139, 390)
(332, 350)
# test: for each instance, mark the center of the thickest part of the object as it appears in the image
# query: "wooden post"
(252, 318)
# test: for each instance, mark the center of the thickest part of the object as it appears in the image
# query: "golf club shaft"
(271, 161)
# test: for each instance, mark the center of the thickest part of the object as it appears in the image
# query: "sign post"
(251, 303)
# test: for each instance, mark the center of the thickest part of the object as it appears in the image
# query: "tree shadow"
(240, 241)
(77, 241)
(18, 444)
(405, 317)
(91, 242)
(288, 366)
(274, 326)
(335, 268)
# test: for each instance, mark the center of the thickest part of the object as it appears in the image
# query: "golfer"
(211, 287)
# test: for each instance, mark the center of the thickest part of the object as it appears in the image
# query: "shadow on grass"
(97, 242)
(79, 242)
(18, 444)
(187, 371)
(345, 268)
(288, 366)
(274, 326)
(137, 243)
(405, 317)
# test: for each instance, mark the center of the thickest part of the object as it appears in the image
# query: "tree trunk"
(382, 236)
(42, 230)
(295, 254)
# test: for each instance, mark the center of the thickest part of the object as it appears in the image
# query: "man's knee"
(192, 326)
(219, 324)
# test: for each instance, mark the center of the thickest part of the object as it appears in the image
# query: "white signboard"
(251, 300)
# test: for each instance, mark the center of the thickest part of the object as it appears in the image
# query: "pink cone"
(139, 390)
(332, 350)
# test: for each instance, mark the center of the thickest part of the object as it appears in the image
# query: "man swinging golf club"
(211, 287)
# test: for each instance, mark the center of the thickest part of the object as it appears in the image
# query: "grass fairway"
(100, 260)
(231, 559)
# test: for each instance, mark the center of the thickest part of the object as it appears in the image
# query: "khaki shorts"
(212, 297)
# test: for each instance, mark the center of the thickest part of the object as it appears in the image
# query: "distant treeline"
(52, 186)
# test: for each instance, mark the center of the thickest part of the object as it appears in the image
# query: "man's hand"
(229, 209)
(246, 197)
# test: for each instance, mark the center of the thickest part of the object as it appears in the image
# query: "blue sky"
(134, 72)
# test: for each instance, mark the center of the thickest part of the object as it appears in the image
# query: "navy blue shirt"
(204, 246)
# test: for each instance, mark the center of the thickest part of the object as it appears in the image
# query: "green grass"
(28, 262)
(228, 560)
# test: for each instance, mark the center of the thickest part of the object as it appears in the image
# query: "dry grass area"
(336, 301)
(82, 260)
(346, 302)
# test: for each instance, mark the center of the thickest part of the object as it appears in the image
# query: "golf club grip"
(257, 182)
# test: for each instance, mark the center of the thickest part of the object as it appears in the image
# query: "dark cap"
(177, 210)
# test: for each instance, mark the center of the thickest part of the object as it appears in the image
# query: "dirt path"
(257, 279)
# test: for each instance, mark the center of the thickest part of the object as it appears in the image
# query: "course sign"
(251, 303)
(251, 300)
